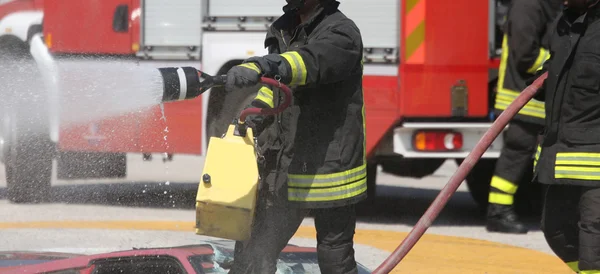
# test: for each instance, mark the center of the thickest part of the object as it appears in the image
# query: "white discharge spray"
(96, 89)
(66, 91)
(75, 90)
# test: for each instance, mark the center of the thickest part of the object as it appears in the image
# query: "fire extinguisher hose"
(459, 176)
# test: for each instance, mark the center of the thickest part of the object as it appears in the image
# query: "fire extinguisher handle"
(219, 80)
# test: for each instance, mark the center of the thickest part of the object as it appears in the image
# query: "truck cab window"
(121, 19)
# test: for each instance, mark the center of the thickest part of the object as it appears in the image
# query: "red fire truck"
(429, 77)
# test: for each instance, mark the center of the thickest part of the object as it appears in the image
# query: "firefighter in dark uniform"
(568, 162)
(313, 155)
(524, 50)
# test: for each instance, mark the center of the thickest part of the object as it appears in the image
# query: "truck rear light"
(437, 140)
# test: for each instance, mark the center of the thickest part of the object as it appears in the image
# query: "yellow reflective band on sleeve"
(539, 61)
(327, 194)
(574, 266)
(327, 180)
(499, 198)
(577, 165)
(251, 66)
(589, 272)
(503, 185)
(298, 67)
(265, 95)
(534, 108)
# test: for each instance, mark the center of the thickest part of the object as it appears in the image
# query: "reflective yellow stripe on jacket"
(577, 165)
(327, 187)
(505, 97)
(298, 67)
(537, 156)
(539, 61)
(265, 95)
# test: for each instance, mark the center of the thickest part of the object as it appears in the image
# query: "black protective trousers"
(275, 224)
(571, 224)
(520, 141)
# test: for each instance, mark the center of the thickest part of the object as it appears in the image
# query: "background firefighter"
(570, 151)
(524, 49)
(313, 154)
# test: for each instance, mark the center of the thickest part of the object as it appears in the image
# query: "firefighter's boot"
(502, 218)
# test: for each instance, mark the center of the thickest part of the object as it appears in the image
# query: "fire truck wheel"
(88, 165)
(408, 167)
(478, 181)
(371, 181)
(27, 150)
(528, 199)
(28, 161)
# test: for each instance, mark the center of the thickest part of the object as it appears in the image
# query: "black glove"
(242, 76)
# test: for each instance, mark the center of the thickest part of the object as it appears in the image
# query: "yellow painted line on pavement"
(432, 254)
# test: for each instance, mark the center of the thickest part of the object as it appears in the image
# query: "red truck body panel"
(381, 107)
(451, 41)
(86, 27)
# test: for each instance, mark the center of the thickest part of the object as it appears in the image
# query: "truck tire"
(28, 161)
(408, 167)
(27, 148)
(528, 199)
(87, 165)
(371, 181)
(478, 181)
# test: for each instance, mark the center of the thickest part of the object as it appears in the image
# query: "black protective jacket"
(570, 151)
(524, 50)
(317, 146)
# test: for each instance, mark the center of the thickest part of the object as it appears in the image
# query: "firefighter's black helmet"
(293, 5)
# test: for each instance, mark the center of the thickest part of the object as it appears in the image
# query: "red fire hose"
(458, 177)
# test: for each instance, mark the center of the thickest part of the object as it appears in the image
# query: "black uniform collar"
(572, 17)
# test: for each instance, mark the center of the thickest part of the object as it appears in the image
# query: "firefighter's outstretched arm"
(526, 22)
(331, 57)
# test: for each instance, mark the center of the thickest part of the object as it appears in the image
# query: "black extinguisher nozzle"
(180, 83)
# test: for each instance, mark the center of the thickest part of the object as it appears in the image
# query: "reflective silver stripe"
(331, 180)
(299, 71)
(592, 160)
(526, 110)
(577, 172)
(577, 165)
(265, 94)
(337, 193)
(509, 95)
(298, 67)
(182, 84)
